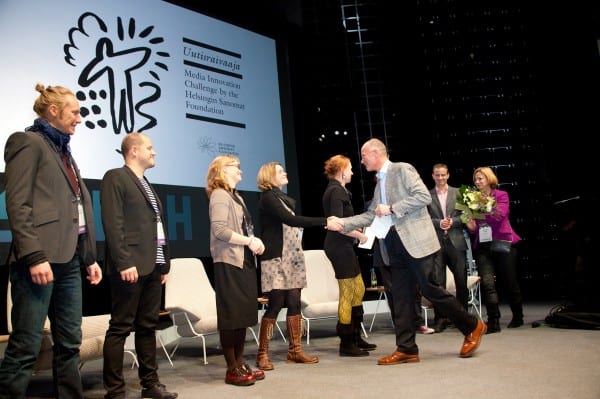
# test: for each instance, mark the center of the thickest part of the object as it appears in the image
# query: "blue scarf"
(60, 140)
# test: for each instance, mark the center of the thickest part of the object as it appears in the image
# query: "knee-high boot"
(347, 345)
(517, 315)
(295, 353)
(493, 321)
(357, 319)
(266, 333)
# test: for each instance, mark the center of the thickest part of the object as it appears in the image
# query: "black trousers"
(135, 307)
(492, 265)
(407, 272)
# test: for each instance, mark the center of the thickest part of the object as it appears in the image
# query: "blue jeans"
(61, 301)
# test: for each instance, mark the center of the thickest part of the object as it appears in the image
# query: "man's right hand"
(130, 275)
(41, 273)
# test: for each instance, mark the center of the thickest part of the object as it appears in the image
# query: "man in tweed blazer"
(400, 200)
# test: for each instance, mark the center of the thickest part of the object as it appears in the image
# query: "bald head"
(373, 154)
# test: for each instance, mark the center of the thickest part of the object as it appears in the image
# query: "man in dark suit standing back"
(449, 229)
(137, 264)
(398, 214)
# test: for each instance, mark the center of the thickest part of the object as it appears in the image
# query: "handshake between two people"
(334, 223)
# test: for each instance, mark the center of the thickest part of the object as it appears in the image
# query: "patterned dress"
(287, 271)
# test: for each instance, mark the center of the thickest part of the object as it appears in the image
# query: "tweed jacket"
(455, 233)
(409, 197)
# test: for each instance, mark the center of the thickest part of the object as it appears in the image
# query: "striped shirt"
(160, 256)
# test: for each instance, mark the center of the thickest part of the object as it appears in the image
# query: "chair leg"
(280, 332)
(203, 348)
(134, 362)
(425, 310)
(253, 335)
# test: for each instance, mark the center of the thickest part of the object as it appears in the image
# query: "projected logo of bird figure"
(122, 60)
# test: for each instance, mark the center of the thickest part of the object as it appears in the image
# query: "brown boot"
(266, 333)
(295, 354)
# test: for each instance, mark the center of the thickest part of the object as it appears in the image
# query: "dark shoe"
(239, 377)
(158, 391)
(362, 344)
(347, 341)
(440, 326)
(517, 315)
(397, 358)
(350, 349)
(515, 322)
(356, 323)
(257, 374)
(472, 340)
(493, 325)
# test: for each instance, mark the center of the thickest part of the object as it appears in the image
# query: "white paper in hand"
(370, 238)
(381, 225)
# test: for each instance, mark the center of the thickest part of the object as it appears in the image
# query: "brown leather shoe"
(397, 358)
(472, 341)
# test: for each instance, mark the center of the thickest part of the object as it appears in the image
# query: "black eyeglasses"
(237, 165)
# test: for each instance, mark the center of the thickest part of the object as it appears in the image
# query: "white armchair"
(190, 298)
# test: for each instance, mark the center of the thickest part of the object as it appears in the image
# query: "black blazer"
(455, 233)
(129, 222)
(41, 204)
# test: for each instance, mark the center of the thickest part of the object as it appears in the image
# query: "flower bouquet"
(473, 203)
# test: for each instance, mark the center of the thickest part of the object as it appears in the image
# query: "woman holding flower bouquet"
(494, 249)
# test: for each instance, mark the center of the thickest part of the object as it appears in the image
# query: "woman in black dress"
(339, 248)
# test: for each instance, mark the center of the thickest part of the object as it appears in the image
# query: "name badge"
(485, 233)
(160, 234)
(82, 224)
